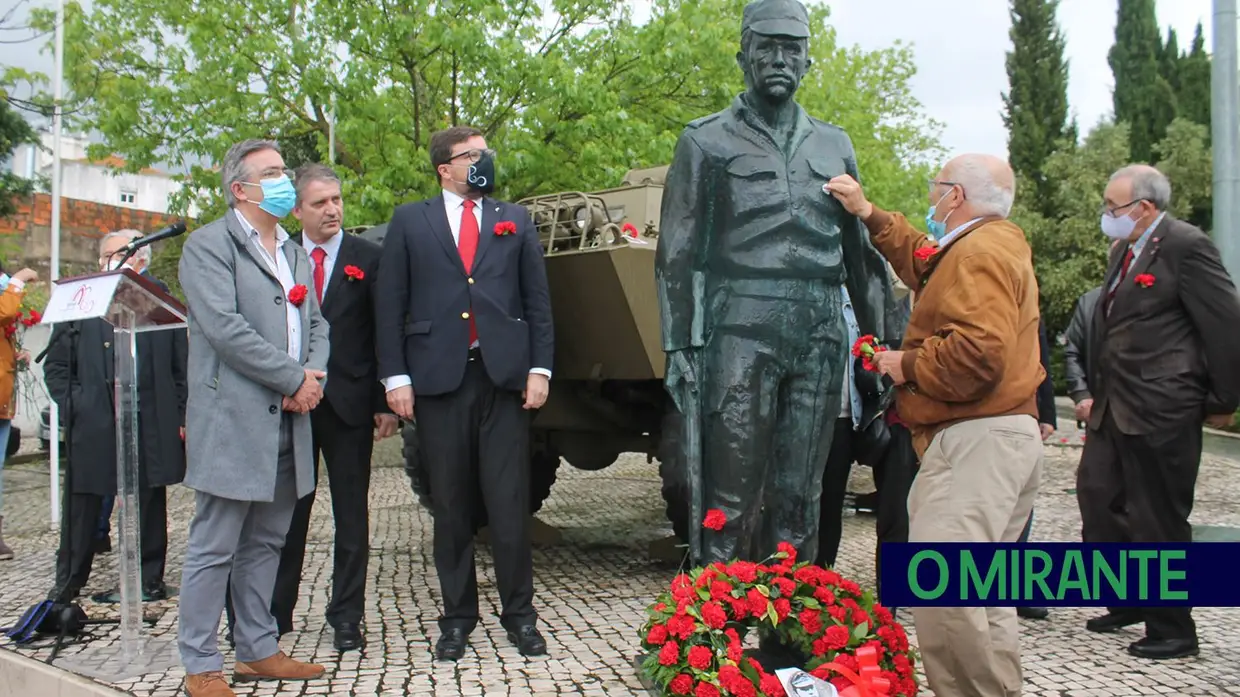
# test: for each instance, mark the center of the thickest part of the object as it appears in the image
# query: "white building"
(97, 180)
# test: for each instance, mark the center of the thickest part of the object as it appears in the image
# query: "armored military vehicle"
(607, 394)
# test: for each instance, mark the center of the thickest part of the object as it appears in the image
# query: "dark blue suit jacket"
(425, 298)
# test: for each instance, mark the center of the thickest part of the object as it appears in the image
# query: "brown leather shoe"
(277, 667)
(211, 684)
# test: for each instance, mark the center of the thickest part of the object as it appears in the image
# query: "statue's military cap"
(776, 18)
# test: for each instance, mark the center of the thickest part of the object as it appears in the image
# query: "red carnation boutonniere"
(1145, 280)
(505, 227)
(353, 273)
(924, 253)
(297, 295)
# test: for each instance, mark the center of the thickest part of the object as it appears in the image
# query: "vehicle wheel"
(675, 478)
(543, 469)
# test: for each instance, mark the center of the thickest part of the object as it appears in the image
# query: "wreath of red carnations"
(694, 637)
(297, 294)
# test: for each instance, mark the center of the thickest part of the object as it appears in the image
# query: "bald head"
(988, 182)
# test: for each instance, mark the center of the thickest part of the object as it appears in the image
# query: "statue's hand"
(848, 192)
(681, 367)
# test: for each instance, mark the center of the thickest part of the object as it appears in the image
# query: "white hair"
(987, 195)
(1148, 184)
(143, 253)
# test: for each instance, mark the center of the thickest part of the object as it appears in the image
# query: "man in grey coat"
(258, 349)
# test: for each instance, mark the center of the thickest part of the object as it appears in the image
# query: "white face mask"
(1120, 228)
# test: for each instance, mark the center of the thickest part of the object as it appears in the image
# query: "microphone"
(132, 248)
(171, 231)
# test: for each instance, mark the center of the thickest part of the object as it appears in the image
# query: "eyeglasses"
(474, 155)
(1104, 209)
(931, 183)
(273, 173)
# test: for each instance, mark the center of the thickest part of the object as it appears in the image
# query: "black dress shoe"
(1033, 613)
(348, 637)
(451, 646)
(1111, 622)
(528, 640)
(1163, 648)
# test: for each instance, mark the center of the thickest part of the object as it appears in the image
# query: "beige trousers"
(977, 483)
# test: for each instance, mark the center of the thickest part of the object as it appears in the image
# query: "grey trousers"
(243, 538)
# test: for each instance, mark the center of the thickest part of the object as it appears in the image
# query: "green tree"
(1184, 155)
(1169, 60)
(1069, 249)
(1035, 107)
(1193, 97)
(1142, 97)
(14, 132)
(570, 104)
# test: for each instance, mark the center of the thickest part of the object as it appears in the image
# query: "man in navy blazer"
(465, 345)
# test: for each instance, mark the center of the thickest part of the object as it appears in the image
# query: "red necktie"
(318, 255)
(1123, 271)
(468, 245)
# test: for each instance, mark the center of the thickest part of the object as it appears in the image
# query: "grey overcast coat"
(239, 369)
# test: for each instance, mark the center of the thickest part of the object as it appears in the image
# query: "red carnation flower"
(354, 273)
(656, 635)
(824, 596)
(715, 519)
(700, 657)
(771, 686)
(783, 608)
(836, 637)
(681, 626)
(714, 616)
(757, 602)
(1145, 280)
(786, 587)
(505, 227)
(720, 590)
(789, 552)
(669, 655)
(811, 621)
(681, 685)
(705, 689)
(744, 571)
(297, 295)
(924, 253)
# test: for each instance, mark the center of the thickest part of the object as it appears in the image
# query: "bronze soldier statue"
(752, 261)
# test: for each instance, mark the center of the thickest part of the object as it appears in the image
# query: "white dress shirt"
(454, 207)
(331, 248)
(279, 266)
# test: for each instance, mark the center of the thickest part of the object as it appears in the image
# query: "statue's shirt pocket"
(754, 184)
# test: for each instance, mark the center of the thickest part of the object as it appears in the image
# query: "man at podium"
(258, 348)
(161, 416)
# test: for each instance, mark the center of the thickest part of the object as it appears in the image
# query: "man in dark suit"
(1161, 362)
(353, 413)
(464, 321)
(162, 392)
(1076, 353)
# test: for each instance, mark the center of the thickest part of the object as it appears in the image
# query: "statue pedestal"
(669, 550)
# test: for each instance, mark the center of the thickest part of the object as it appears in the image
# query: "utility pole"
(58, 88)
(1225, 134)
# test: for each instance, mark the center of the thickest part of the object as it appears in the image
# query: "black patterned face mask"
(481, 176)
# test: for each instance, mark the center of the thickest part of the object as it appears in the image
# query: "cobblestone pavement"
(592, 589)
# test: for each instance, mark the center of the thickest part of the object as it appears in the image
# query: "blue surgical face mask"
(279, 196)
(937, 228)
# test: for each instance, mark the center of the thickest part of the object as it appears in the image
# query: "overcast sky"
(959, 47)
